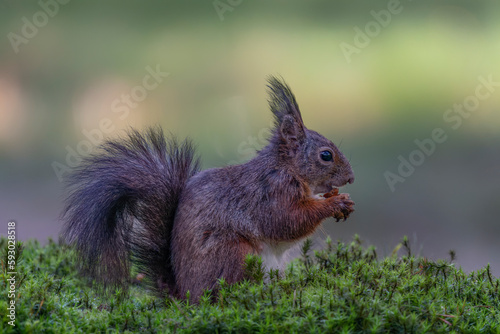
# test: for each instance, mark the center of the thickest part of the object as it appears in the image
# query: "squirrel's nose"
(350, 179)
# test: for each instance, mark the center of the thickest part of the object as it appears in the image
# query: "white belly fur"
(277, 255)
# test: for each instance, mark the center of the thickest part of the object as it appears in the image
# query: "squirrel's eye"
(326, 155)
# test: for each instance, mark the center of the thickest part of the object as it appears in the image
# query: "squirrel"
(143, 201)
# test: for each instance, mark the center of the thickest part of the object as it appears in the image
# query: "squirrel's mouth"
(327, 188)
(320, 191)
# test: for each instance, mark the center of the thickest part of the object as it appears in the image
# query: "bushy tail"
(122, 203)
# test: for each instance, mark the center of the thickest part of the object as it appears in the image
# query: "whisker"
(340, 144)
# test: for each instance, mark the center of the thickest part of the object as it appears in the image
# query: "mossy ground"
(341, 289)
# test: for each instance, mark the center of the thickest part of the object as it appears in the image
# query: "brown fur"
(223, 214)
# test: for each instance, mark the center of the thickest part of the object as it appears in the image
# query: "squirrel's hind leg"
(216, 260)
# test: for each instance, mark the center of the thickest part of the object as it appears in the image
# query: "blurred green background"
(66, 77)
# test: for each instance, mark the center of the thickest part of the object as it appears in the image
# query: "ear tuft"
(282, 102)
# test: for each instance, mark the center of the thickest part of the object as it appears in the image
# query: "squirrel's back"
(222, 217)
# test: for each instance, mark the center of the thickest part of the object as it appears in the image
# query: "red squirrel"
(143, 201)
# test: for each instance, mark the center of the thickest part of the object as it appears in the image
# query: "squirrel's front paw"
(342, 206)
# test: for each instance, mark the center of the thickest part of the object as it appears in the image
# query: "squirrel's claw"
(343, 206)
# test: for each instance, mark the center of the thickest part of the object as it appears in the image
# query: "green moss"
(342, 289)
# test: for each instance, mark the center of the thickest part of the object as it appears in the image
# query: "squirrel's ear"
(282, 103)
(291, 132)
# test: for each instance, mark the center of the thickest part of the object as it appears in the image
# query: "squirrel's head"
(314, 158)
